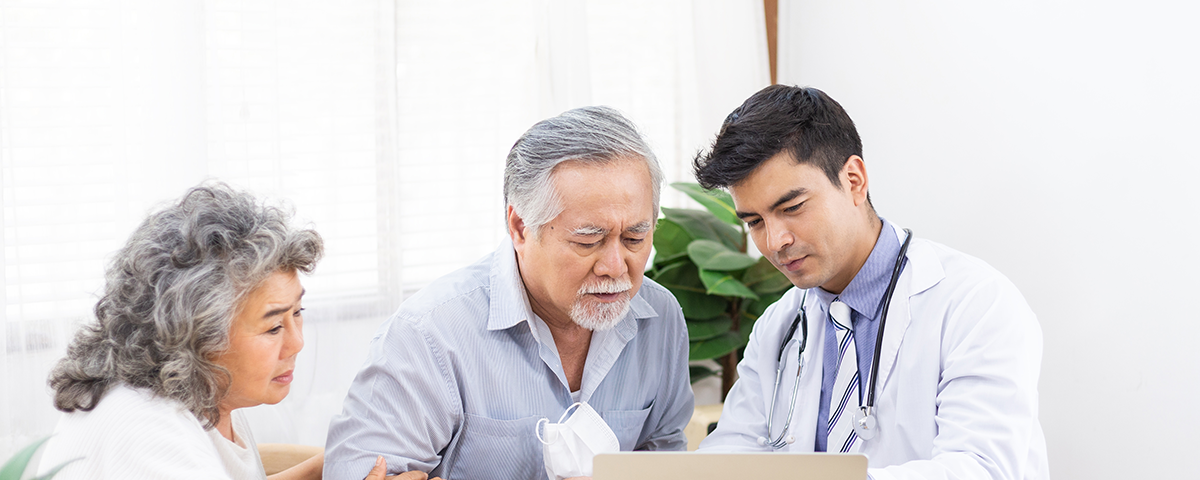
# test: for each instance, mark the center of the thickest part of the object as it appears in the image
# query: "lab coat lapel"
(922, 271)
(804, 427)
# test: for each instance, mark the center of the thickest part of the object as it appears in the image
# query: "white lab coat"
(957, 391)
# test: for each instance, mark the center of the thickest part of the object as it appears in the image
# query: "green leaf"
(721, 283)
(764, 278)
(717, 346)
(710, 255)
(700, 306)
(706, 329)
(682, 278)
(755, 308)
(15, 466)
(681, 275)
(718, 202)
(701, 224)
(700, 372)
(670, 241)
(746, 327)
(660, 260)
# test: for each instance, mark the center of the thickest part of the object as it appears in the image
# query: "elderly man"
(459, 378)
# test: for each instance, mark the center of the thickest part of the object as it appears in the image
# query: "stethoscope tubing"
(802, 320)
(887, 302)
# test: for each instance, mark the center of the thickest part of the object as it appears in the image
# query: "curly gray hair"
(589, 134)
(170, 296)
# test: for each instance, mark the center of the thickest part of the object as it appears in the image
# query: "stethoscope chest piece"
(864, 423)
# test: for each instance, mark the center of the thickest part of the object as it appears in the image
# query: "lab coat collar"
(922, 272)
(926, 269)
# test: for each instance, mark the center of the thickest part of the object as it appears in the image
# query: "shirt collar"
(865, 292)
(508, 304)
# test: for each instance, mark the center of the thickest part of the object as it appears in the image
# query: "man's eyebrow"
(787, 197)
(640, 227)
(589, 230)
(276, 311)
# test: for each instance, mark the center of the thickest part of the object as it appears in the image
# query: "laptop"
(691, 465)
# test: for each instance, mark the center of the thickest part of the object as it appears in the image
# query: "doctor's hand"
(379, 472)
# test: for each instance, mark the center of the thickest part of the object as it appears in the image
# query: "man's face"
(586, 264)
(811, 230)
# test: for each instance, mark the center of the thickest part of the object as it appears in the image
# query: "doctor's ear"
(854, 179)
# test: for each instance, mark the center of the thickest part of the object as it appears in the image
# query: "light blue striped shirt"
(864, 296)
(456, 381)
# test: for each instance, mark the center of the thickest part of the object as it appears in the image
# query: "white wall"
(1057, 141)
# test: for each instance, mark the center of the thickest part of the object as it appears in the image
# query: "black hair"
(802, 121)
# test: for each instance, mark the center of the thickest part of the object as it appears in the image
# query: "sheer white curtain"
(384, 124)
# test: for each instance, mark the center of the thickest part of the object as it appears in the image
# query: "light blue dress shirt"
(864, 296)
(456, 381)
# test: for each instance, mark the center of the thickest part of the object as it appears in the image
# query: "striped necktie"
(845, 397)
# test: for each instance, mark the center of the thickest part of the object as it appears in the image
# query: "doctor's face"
(586, 264)
(811, 230)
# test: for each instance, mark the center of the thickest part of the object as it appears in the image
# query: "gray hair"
(589, 134)
(170, 296)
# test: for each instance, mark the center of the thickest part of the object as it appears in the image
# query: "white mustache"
(612, 285)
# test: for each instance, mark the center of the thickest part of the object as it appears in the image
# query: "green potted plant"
(701, 258)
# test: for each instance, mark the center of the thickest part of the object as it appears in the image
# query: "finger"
(379, 470)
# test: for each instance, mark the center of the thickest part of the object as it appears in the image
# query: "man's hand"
(379, 472)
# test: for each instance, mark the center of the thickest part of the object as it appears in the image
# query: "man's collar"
(640, 308)
(508, 304)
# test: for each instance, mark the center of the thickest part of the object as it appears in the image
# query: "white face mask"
(568, 446)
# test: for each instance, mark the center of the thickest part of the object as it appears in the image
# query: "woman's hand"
(379, 472)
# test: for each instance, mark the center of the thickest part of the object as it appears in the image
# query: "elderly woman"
(200, 317)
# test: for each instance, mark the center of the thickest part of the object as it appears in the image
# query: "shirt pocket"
(490, 448)
(627, 425)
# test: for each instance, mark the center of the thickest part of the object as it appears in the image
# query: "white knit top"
(133, 434)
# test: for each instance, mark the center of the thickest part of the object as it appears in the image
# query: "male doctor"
(940, 382)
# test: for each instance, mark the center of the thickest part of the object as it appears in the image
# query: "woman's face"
(263, 342)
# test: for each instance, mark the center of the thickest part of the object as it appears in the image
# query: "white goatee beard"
(600, 316)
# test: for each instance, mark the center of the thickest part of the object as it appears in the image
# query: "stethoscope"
(864, 417)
